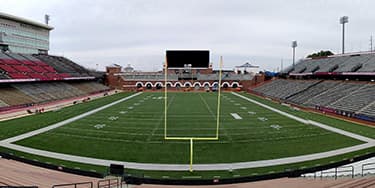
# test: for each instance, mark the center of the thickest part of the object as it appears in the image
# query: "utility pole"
(371, 44)
(343, 21)
(294, 45)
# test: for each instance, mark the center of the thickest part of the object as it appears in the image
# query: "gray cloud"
(138, 32)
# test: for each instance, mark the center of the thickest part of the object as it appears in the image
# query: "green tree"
(320, 54)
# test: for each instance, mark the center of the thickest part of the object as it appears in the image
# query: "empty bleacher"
(333, 94)
(153, 77)
(39, 67)
(303, 97)
(368, 110)
(17, 66)
(356, 100)
(45, 92)
(63, 65)
(2, 103)
(12, 96)
(336, 64)
(41, 92)
(368, 66)
(283, 89)
(23, 76)
(89, 87)
(355, 97)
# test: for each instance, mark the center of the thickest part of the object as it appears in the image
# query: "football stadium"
(190, 123)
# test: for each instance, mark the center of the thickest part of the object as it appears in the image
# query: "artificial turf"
(134, 131)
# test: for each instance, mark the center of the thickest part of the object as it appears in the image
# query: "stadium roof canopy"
(247, 65)
(23, 20)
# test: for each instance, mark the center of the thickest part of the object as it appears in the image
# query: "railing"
(90, 185)
(336, 171)
(109, 183)
(369, 167)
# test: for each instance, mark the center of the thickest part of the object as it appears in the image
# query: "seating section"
(45, 92)
(158, 77)
(63, 65)
(35, 92)
(337, 64)
(333, 94)
(89, 87)
(304, 97)
(2, 104)
(354, 97)
(20, 76)
(283, 89)
(12, 96)
(16, 66)
(39, 67)
(356, 100)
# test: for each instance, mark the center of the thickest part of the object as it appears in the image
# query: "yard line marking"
(213, 115)
(159, 121)
(62, 123)
(236, 116)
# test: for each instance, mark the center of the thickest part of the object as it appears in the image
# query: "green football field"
(134, 131)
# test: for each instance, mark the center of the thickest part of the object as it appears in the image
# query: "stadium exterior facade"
(204, 79)
(20, 35)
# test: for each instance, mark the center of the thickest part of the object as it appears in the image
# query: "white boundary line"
(217, 166)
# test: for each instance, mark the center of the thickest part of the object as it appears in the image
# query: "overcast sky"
(138, 32)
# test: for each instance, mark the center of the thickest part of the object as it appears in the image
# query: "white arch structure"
(187, 83)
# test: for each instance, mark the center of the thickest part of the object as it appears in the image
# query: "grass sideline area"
(229, 127)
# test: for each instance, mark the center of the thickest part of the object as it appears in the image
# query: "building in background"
(19, 35)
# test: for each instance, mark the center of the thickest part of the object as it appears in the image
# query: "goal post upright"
(218, 99)
(192, 138)
(165, 96)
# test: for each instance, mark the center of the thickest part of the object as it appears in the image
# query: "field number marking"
(236, 116)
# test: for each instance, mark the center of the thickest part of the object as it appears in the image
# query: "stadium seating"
(89, 87)
(368, 66)
(335, 64)
(63, 65)
(35, 68)
(303, 97)
(283, 89)
(333, 94)
(34, 92)
(17, 66)
(159, 77)
(352, 97)
(356, 100)
(39, 67)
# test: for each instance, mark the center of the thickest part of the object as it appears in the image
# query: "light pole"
(343, 21)
(294, 45)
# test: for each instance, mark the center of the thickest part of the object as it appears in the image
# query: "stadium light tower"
(294, 45)
(343, 21)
